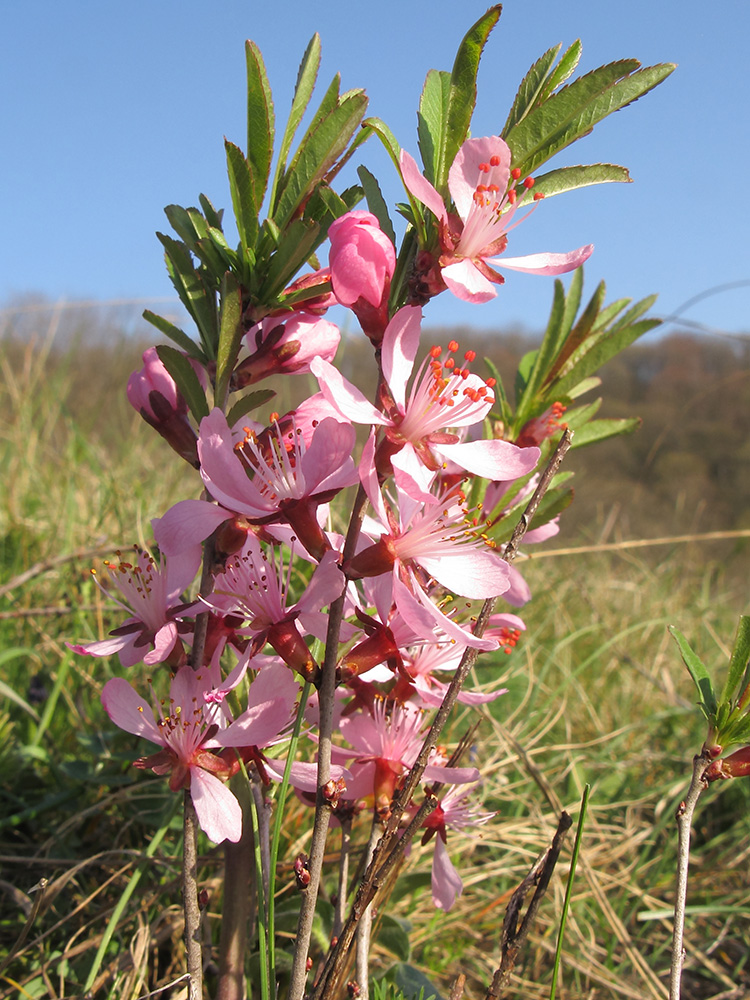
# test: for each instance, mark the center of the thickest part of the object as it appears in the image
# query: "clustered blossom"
(277, 562)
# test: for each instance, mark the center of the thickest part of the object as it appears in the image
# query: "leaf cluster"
(726, 713)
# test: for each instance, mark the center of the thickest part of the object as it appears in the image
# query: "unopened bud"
(301, 871)
(353, 988)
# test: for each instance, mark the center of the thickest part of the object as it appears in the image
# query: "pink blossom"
(417, 421)
(362, 259)
(151, 593)
(280, 474)
(452, 813)
(256, 588)
(190, 730)
(385, 744)
(480, 186)
(279, 347)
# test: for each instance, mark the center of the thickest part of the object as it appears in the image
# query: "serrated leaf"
(212, 215)
(601, 352)
(189, 226)
(242, 188)
(194, 294)
(531, 88)
(298, 242)
(584, 386)
(321, 149)
(635, 312)
(376, 202)
(231, 332)
(563, 70)
(186, 380)
(602, 430)
(738, 661)
(506, 414)
(303, 90)
(533, 367)
(463, 92)
(250, 402)
(697, 671)
(579, 334)
(260, 120)
(431, 120)
(569, 178)
(176, 334)
(572, 112)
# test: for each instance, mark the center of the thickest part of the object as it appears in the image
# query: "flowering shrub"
(335, 615)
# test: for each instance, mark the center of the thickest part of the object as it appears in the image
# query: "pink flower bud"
(362, 259)
(152, 390)
(154, 394)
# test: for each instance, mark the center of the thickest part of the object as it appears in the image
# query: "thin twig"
(684, 821)
(513, 938)
(190, 900)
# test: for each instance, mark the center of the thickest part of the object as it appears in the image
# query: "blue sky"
(112, 111)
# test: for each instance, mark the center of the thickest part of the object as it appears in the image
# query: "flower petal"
(544, 263)
(467, 282)
(418, 185)
(218, 811)
(129, 711)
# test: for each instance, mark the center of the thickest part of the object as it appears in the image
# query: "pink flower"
(281, 474)
(151, 593)
(362, 259)
(287, 348)
(418, 420)
(385, 745)
(256, 588)
(480, 185)
(191, 729)
(452, 813)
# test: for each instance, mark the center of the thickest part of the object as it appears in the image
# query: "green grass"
(597, 695)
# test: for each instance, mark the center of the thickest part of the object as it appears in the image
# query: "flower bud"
(362, 260)
(154, 394)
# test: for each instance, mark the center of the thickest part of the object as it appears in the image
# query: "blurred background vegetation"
(597, 693)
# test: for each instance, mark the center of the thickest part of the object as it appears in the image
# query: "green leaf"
(176, 334)
(323, 146)
(531, 88)
(194, 294)
(303, 90)
(187, 381)
(569, 178)
(586, 385)
(431, 120)
(247, 403)
(231, 332)
(578, 335)
(298, 242)
(413, 983)
(573, 111)
(601, 430)
(242, 188)
(533, 369)
(738, 661)
(393, 934)
(463, 92)
(506, 414)
(697, 671)
(260, 121)
(376, 202)
(563, 70)
(593, 359)
(213, 216)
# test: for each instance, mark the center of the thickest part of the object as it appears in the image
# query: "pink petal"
(218, 811)
(129, 711)
(400, 346)
(343, 396)
(491, 459)
(418, 185)
(447, 884)
(327, 464)
(544, 263)
(474, 573)
(186, 524)
(164, 641)
(467, 282)
(222, 472)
